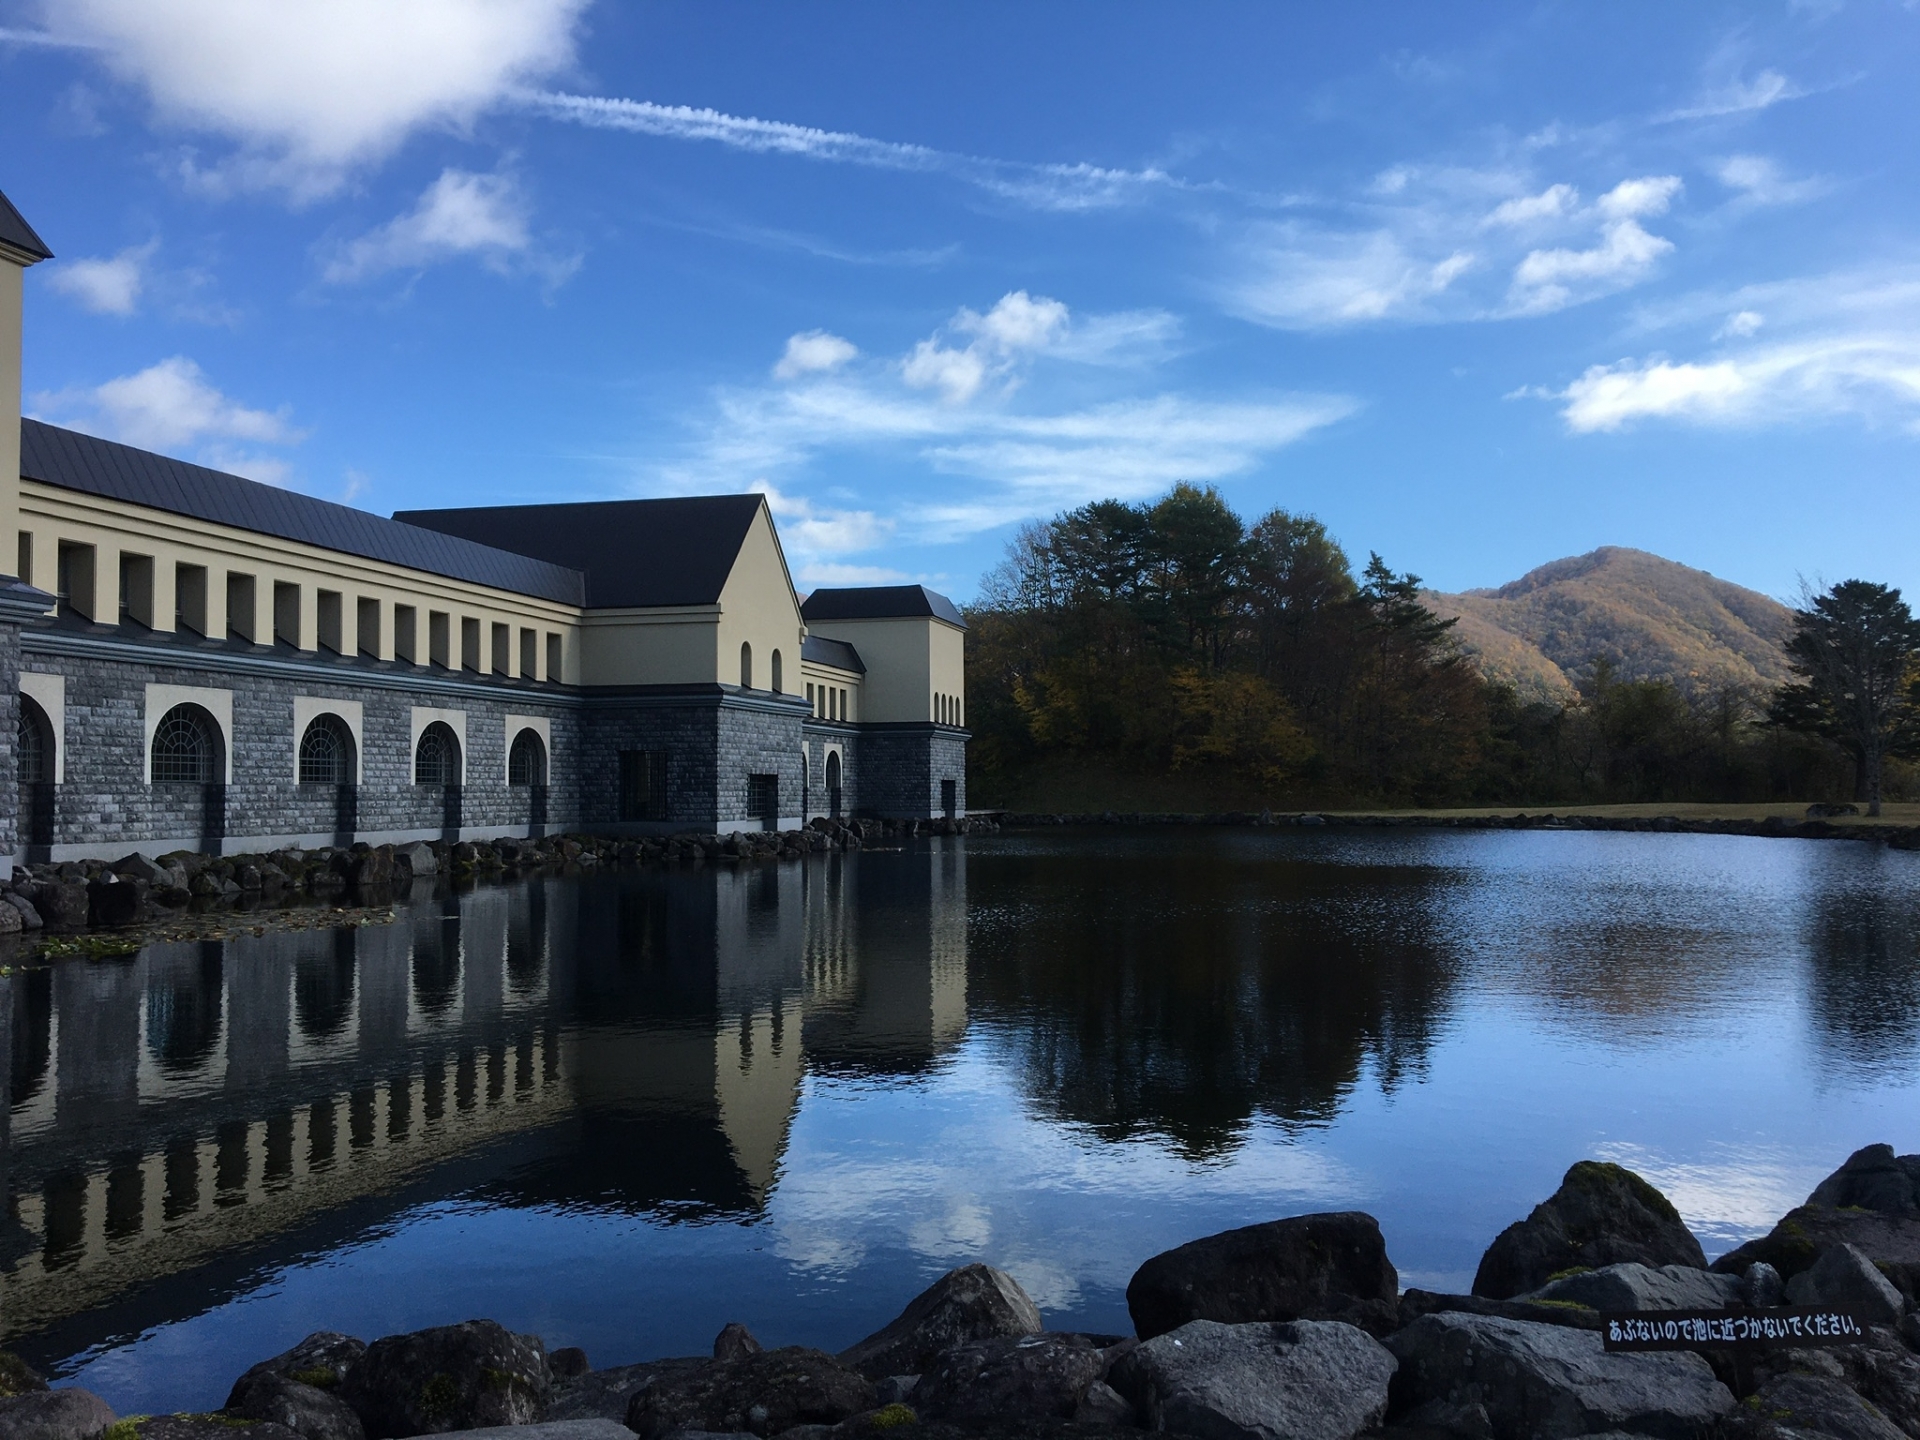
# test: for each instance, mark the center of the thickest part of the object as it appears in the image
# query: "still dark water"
(621, 1111)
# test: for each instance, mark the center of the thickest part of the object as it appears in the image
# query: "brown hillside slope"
(1652, 618)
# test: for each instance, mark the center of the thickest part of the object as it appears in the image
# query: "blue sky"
(1478, 285)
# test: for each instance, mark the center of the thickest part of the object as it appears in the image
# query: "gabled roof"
(634, 553)
(837, 653)
(880, 602)
(17, 233)
(119, 472)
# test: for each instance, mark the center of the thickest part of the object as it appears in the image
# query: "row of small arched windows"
(946, 709)
(746, 670)
(188, 749)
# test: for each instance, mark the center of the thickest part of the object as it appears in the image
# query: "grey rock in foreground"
(1416, 1303)
(1278, 1380)
(322, 1360)
(1641, 1287)
(1873, 1178)
(1601, 1215)
(1028, 1375)
(606, 1394)
(975, 1302)
(1804, 1234)
(1811, 1405)
(307, 1410)
(54, 1415)
(17, 1377)
(1845, 1278)
(1520, 1381)
(765, 1393)
(206, 1427)
(452, 1377)
(734, 1341)
(1307, 1267)
(554, 1430)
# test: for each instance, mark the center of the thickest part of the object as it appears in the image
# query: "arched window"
(326, 752)
(775, 663)
(186, 747)
(36, 744)
(833, 783)
(527, 760)
(746, 666)
(436, 759)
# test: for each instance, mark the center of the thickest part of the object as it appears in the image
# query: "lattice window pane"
(182, 749)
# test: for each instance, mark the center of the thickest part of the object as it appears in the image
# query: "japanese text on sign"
(1731, 1329)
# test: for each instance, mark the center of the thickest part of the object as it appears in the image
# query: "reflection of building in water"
(636, 1042)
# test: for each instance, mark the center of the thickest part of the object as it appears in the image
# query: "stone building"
(198, 660)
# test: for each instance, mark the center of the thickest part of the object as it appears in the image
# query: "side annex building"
(201, 661)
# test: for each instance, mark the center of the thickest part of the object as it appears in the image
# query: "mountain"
(1654, 619)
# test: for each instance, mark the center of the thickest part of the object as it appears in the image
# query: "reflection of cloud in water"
(973, 1180)
(1728, 1194)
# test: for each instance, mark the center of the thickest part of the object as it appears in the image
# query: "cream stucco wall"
(678, 646)
(11, 300)
(829, 677)
(909, 661)
(758, 607)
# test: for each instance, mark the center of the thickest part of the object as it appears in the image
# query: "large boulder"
(1640, 1287)
(975, 1302)
(63, 904)
(1812, 1406)
(1873, 1178)
(307, 1410)
(1023, 1377)
(322, 1360)
(452, 1377)
(1416, 1303)
(1309, 1267)
(1515, 1380)
(198, 1427)
(1846, 1279)
(54, 1415)
(1274, 1380)
(1891, 1242)
(764, 1394)
(1601, 1215)
(608, 1394)
(17, 1377)
(417, 858)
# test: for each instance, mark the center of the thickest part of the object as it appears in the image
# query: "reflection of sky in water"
(1144, 1041)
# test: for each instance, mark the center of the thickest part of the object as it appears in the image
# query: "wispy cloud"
(1041, 186)
(1834, 346)
(974, 400)
(171, 406)
(1760, 181)
(110, 286)
(459, 214)
(1737, 95)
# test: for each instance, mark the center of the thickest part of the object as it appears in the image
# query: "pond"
(621, 1110)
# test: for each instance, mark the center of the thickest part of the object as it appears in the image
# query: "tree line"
(1172, 639)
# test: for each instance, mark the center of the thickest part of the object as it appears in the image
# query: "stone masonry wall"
(901, 767)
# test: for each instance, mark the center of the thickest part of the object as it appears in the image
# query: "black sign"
(1731, 1329)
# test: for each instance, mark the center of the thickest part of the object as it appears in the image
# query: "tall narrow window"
(190, 598)
(136, 590)
(529, 654)
(26, 556)
(75, 579)
(810, 702)
(773, 667)
(556, 656)
(366, 627)
(242, 619)
(746, 666)
(406, 634)
(502, 649)
(440, 639)
(470, 644)
(286, 614)
(329, 615)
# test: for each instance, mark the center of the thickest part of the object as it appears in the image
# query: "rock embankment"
(79, 895)
(1291, 1330)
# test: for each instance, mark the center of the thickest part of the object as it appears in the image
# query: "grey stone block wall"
(902, 766)
(9, 744)
(818, 736)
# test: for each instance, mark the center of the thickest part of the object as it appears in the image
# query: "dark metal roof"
(837, 653)
(880, 602)
(119, 472)
(15, 231)
(633, 552)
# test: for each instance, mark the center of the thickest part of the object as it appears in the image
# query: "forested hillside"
(1172, 650)
(1649, 618)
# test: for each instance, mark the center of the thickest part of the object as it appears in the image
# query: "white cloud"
(1760, 181)
(1738, 96)
(1553, 279)
(811, 530)
(1740, 324)
(105, 287)
(1649, 195)
(1607, 396)
(1305, 279)
(813, 352)
(310, 89)
(461, 213)
(1019, 327)
(1077, 186)
(828, 573)
(170, 406)
(1549, 204)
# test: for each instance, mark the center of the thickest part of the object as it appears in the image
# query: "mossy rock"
(17, 1377)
